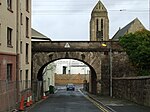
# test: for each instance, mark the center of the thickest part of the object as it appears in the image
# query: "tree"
(137, 46)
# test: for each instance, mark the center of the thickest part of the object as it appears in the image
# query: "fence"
(63, 79)
(7, 96)
(11, 93)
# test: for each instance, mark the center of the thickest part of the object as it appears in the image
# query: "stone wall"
(136, 89)
(121, 67)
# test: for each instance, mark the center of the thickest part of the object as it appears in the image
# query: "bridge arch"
(93, 76)
(41, 60)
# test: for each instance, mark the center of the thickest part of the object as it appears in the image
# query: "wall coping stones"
(131, 78)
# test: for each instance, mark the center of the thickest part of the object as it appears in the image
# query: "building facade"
(99, 23)
(24, 45)
(15, 45)
(70, 66)
(132, 27)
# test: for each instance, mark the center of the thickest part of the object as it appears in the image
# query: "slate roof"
(124, 30)
(38, 35)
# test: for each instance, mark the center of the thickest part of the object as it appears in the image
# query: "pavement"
(118, 105)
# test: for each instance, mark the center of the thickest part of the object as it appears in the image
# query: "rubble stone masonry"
(136, 89)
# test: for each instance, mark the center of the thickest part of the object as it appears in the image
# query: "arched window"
(97, 26)
(102, 28)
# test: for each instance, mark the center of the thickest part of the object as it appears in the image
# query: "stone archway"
(42, 59)
(93, 53)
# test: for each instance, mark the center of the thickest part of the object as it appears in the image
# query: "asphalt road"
(66, 101)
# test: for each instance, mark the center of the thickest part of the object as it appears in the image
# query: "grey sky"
(69, 19)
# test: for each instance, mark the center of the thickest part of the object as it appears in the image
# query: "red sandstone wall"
(4, 60)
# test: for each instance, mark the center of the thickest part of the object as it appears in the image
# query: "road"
(67, 101)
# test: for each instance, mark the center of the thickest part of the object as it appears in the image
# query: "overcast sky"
(62, 20)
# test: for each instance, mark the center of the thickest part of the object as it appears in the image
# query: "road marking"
(94, 102)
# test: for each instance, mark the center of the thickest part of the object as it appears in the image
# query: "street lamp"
(110, 67)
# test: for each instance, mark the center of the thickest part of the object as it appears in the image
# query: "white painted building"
(70, 66)
(49, 76)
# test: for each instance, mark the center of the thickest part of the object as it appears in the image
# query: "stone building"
(15, 46)
(132, 27)
(24, 43)
(99, 23)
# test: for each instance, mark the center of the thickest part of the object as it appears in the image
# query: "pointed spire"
(99, 7)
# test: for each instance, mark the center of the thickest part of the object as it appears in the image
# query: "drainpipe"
(17, 47)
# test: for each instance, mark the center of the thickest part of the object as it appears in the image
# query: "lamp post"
(149, 15)
(110, 63)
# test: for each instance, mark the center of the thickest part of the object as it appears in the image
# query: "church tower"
(99, 23)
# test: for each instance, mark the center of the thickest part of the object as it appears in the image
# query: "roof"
(38, 35)
(126, 29)
(99, 7)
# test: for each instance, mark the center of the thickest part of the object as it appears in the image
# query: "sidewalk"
(119, 105)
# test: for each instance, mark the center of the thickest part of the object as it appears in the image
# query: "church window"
(99, 6)
(97, 25)
(102, 27)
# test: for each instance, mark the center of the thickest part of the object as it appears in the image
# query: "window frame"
(27, 27)
(27, 5)
(21, 47)
(21, 18)
(9, 5)
(26, 79)
(27, 53)
(102, 28)
(0, 33)
(9, 36)
(9, 72)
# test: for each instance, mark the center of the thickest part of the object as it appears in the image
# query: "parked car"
(70, 87)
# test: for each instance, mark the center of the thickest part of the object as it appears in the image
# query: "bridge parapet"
(83, 46)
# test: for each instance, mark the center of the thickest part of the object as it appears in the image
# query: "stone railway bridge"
(92, 53)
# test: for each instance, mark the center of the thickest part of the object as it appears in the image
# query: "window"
(21, 19)
(27, 53)
(27, 27)
(97, 28)
(64, 69)
(102, 27)
(26, 86)
(0, 71)
(9, 72)
(9, 36)
(21, 47)
(9, 5)
(27, 5)
(20, 75)
(0, 33)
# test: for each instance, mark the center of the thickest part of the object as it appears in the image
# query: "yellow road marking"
(95, 103)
